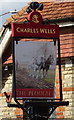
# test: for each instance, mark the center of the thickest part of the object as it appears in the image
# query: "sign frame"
(32, 72)
(17, 38)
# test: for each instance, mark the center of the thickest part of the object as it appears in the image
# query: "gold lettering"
(50, 31)
(41, 30)
(36, 30)
(46, 30)
(54, 31)
(30, 93)
(39, 93)
(25, 30)
(22, 93)
(18, 29)
(29, 30)
(33, 93)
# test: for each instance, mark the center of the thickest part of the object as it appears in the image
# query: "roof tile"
(24, 8)
(51, 10)
(15, 16)
(9, 19)
(9, 60)
(21, 12)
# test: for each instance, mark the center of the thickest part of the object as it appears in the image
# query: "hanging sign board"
(35, 63)
(35, 31)
(34, 60)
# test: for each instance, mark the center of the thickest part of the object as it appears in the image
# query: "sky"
(10, 5)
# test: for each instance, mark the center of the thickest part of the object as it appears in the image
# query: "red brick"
(68, 89)
(60, 117)
(59, 113)
(62, 109)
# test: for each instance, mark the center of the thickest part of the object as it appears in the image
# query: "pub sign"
(34, 58)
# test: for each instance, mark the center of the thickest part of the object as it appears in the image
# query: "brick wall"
(8, 112)
(68, 93)
(68, 90)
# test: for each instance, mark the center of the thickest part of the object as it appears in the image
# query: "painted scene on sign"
(35, 64)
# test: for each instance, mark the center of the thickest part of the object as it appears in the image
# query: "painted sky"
(27, 51)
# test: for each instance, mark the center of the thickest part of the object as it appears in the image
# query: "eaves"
(6, 38)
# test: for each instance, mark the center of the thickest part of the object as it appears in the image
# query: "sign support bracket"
(36, 109)
(41, 109)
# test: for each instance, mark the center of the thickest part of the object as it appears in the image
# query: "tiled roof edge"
(62, 19)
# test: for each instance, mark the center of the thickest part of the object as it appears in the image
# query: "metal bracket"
(8, 97)
(40, 109)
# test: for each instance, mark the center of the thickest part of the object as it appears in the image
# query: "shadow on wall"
(6, 72)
